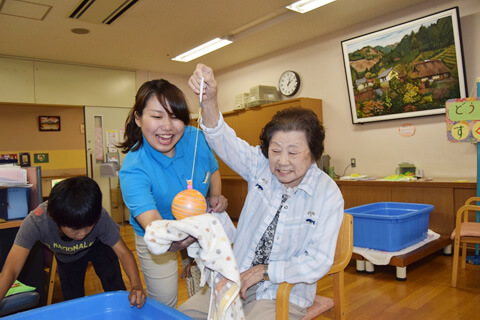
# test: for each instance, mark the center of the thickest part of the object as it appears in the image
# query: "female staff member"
(289, 223)
(161, 148)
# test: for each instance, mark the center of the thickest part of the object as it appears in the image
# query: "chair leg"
(464, 255)
(456, 253)
(339, 295)
(51, 283)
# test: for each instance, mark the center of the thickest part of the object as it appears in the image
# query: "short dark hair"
(295, 119)
(75, 203)
(167, 94)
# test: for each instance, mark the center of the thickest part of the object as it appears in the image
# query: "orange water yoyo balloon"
(188, 203)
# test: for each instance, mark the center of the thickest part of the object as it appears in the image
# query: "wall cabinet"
(37, 82)
(248, 124)
(16, 81)
(57, 83)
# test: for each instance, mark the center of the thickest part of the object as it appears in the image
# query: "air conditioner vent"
(101, 11)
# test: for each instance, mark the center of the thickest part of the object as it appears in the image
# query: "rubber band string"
(190, 202)
(190, 183)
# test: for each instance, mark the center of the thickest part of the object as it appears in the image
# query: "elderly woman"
(289, 223)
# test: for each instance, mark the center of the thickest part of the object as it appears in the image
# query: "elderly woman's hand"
(210, 111)
(218, 203)
(249, 278)
(209, 85)
(182, 244)
(187, 270)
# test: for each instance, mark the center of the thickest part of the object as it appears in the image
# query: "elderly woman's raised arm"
(210, 111)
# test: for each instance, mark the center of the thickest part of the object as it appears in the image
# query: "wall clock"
(289, 83)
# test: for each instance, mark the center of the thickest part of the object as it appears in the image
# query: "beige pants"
(197, 306)
(160, 273)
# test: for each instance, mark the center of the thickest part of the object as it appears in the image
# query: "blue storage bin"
(389, 226)
(102, 306)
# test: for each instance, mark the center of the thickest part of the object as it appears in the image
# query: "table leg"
(369, 267)
(447, 250)
(401, 273)
(360, 265)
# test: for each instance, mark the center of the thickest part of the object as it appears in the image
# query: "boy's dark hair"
(295, 119)
(75, 203)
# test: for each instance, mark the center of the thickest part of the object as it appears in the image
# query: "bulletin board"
(463, 120)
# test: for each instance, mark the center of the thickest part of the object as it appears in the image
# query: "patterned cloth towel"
(213, 254)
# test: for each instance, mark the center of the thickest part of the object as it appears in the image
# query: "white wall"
(377, 146)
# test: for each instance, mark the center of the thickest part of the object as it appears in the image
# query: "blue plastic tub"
(104, 306)
(389, 226)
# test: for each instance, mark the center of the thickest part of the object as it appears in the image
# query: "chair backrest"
(463, 214)
(344, 248)
(471, 199)
(474, 201)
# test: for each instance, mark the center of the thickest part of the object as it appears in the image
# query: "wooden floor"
(426, 294)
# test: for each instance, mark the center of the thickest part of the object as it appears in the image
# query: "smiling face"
(161, 129)
(289, 157)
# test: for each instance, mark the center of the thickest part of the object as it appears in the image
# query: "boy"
(73, 224)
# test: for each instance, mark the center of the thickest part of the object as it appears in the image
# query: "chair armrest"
(283, 295)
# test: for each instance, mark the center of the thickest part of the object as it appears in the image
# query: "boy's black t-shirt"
(39, 226)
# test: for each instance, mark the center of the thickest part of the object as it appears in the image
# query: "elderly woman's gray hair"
(295, 119)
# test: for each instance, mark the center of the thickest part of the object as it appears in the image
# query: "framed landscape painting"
(408, 70)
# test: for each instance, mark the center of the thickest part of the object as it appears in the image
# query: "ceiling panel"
(151, 32)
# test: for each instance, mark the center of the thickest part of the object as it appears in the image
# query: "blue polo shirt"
(150, 180)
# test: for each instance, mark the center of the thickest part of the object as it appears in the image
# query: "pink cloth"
(468, 229)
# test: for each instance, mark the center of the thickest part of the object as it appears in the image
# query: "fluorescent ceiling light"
(203, 49)
(303, 6)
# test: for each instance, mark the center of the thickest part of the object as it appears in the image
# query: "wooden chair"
(343, 253)
(50, 271)
(465, 232)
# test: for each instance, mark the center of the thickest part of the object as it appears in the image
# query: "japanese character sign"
(463, 120)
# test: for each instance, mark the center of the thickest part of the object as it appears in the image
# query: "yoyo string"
(198, 126)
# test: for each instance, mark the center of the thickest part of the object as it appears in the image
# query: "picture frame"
(407, 70)
(24, 159)
(40, 158)
(49, 123)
